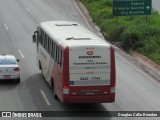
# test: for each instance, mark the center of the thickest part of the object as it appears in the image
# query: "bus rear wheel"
(54, 93)
(55, 96)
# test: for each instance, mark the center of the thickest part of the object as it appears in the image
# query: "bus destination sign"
(131, 7)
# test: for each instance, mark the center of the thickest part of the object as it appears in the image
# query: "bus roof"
(71, 33)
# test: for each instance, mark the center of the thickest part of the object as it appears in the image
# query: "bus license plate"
(91, 78)
(90, 93)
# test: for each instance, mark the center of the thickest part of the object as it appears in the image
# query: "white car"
(9, 68)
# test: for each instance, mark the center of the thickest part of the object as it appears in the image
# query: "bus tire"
(40, 68)
(52, 87)
(42, 74)
(55, 96)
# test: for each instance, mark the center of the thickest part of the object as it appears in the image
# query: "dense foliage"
(139, 33)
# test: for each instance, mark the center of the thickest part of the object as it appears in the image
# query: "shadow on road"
(6, 85)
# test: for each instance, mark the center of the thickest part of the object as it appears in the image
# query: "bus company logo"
(90, 52)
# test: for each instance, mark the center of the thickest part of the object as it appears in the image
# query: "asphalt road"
(135, 91)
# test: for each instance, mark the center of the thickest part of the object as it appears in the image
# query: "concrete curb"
(140, 64)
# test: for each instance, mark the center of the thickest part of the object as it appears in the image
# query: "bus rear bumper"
(89, 99)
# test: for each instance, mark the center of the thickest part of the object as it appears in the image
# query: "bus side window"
(42, 36)
(49, 45)
(57, 49)
(58, 60)
(43, 39)
(55, 52)
(60, 57)
(52, 49)
(44, 44)
(47, 41)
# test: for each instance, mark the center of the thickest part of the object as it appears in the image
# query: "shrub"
(106, 3)
(116, 33)
(139, 33)
(129, 40)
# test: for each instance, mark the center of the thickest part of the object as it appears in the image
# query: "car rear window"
(8, 61)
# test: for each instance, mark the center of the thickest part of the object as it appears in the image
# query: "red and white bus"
(77, 64)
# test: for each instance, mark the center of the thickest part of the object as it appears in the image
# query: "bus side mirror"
(34, 38)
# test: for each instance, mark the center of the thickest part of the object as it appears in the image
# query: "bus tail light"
(113, 88)
(65, 89)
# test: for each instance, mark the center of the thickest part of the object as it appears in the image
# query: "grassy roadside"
(134, 33)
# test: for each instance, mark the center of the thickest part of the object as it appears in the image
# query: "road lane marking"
(45, 98)
(6, 26)
(64, 12)
(82, 15)
(20, 52)
(27, 9)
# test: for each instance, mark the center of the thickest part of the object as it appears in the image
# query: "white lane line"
(45, 98)
(20, 52)
(82, 15)
(27, 9)
(6, 26)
